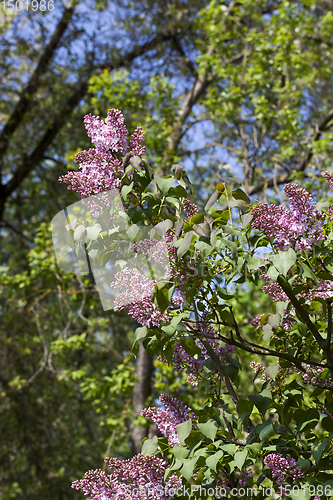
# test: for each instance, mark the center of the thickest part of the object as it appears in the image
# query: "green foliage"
(60, 390)
(237, 428)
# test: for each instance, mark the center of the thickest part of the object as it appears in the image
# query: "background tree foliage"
(229, 89)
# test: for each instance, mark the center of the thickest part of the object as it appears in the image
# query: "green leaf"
(149, 446)
(202, 229)
(274, 320)
(272, 371)
(135, 161)
(239, 194)
(93, 231)
(321, 206)
(221, 215)
(240, 457)
(185, 244)
(180, 452)
(224, 294)
(327, 424)
(262, 401)
(213, 199)
(273, 273)
(220, 187)
(188, 466)
(190, 346)
(125, 190)
(265, 430)
(132, 231)
(213, 460)
(162, 299)
(205, 248)
(196, 219)
(178, 227)
(176, 168)
(283, 261)
(246, 219)
(267, 333)
(162, 227)
(229, 448)
(318, 449)
(208, 429)
(164, 184)
(178, 192)
(254, 263)
(245, 406)
(227, 317)
(183, 430)
(308, 273)
(79, 233)
(304, 464)
(140, 333)
(280, 307)
(231, 371)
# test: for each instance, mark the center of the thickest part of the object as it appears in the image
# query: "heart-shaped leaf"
(283, 261)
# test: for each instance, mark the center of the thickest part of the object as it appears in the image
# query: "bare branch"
(25, 100)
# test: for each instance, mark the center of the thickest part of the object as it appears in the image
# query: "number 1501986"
(34, 5)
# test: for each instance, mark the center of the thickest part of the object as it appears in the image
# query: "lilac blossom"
(282, 467)
(136, 144)
(322, 289)
(154, 250)
(175, 413)
(109, 136)
(299, 227)
(329, 177)
(101, 169)
(140, 477)
(136, 289)
(189, 208)
(135, 295)
(258, 368)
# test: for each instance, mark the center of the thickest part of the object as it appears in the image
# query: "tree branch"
(188, 61)
(25, 100)
(322, 343)
(29, 162)
(319, 129)
(192, 97)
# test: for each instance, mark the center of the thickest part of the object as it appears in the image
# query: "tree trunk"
(141, 391)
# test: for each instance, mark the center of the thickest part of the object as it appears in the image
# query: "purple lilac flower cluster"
(329, 177)
(299, 227)
(282, 467)
(189, 208)
(258, 368)
(175, 413)
(140, 477)
(323, 290)
(193, 366)
(137, 289)
(154, 250)
(136, 294)
(101, 169)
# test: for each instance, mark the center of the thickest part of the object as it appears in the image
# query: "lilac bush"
(275, 436)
